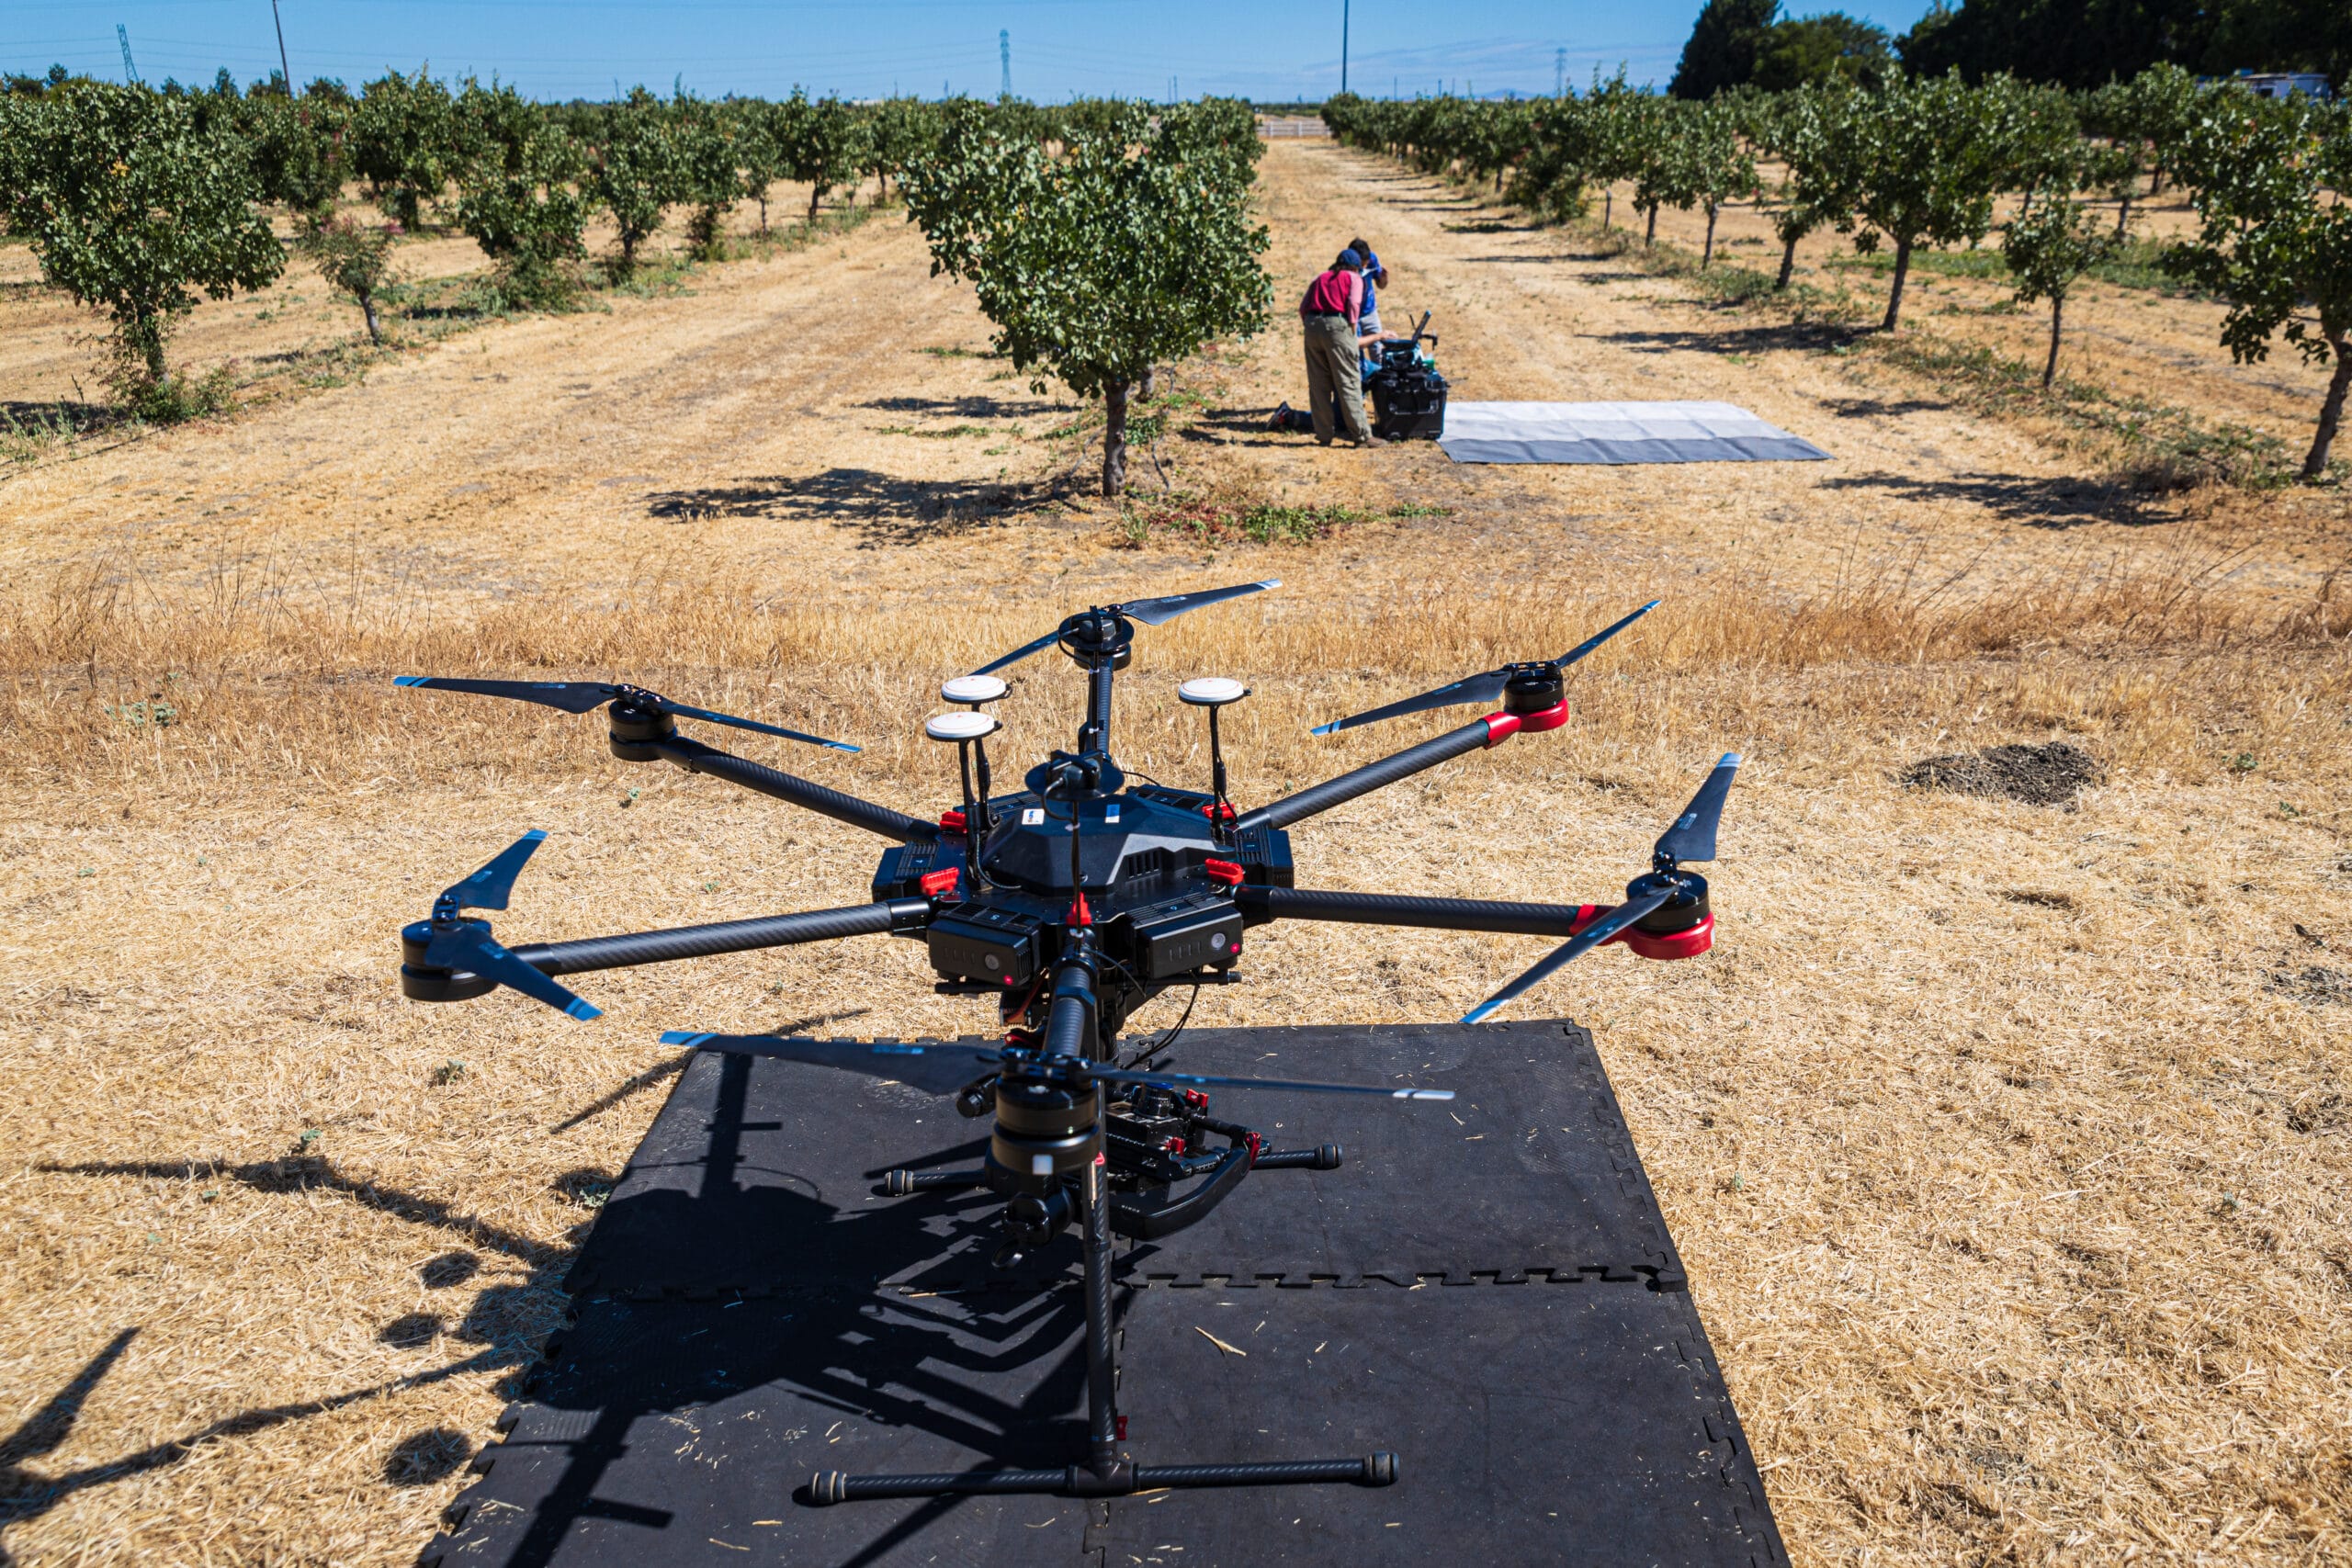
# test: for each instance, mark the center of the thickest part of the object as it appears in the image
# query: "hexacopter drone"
(1072, 902)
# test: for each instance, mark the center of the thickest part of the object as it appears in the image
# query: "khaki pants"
(1333, 365)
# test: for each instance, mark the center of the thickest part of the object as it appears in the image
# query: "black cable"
(1165, 1041)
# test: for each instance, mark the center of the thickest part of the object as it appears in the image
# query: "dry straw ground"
(2007, 1144)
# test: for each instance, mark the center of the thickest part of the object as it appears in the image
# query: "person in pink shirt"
(1330, 314)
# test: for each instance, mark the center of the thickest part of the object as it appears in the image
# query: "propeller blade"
(472, 948)
(940, 1068)
(1692, 837)
(1597, 639)
(490, 888)
(1577, 946)
(1212, 1080)
(1165, 608)
(572, 696)
(1023, 651)
(683, 711)
(1483, 687)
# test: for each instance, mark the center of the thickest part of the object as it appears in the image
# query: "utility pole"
(130, 72)
(1344, 44)
(1560, 73)
(1004, 53)
(283, 69)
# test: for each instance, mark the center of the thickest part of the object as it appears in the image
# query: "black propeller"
(1691, 838)
(1486, 685)
(945, 1069)
(451, 941)
(580, 697)
(1150, 612)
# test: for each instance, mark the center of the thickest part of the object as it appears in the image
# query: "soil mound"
(2039, 776)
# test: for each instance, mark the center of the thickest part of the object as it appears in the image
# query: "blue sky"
(555, 49)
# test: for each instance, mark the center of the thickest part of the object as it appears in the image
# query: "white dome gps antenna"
(973, 690)
(967, 732)
(1214, 692)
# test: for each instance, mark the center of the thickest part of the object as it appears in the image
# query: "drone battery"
(985, 942)
(1177, 938)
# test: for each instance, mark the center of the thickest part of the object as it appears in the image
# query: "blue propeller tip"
(583, 1010)
(1478, 1015)
(844, 746)
(409, 679)
(535, 835)
(682, 1037)
(1325, 728)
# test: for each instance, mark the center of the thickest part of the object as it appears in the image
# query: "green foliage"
(1833, 47)
(2275, 232)
(354, 259)
(897, 132)
(1724, 46)
(1131, 247)
(2083, 44)
(2049, 246)
(1929, 155)
(297, 149)
(709, 176)
(522, 204)
(821, 143)
(135, 211)
(403, 143)
(634, 174)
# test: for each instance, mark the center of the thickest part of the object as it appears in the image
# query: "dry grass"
(2009, 1147)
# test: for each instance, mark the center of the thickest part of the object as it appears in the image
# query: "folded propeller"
(448, 941)
(1488, 685)
(1150, 612)
(946, 1068)
(580, 697)
(1691, 838)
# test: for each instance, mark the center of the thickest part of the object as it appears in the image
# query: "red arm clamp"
(1653, 944)
(1501, 726)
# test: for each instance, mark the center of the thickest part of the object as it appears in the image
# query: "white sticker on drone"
(1033, 816)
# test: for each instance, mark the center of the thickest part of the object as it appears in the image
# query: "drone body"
(1071, 903)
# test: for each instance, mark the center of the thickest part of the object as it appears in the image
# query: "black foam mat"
(1485, 1288)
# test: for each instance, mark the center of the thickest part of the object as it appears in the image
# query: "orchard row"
(1924, 160)
(1101, 237)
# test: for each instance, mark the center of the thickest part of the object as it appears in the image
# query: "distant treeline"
(2070, 43)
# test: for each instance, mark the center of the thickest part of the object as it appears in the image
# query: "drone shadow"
(927, 1358)
(977, 405)
(1737, 340)
(885, 509)
(27, 1494)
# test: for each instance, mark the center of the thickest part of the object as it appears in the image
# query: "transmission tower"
(1004, 55)
(1560, 73)
(130, 72)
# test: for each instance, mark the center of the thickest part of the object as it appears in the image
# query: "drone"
(1070, 903)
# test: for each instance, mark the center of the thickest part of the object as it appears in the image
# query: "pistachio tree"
(2274, 236)
(135, 211)
(524, 204)
(403, 141)
(823, 143)
(634, 172)
(1130, 246)
(1929, 155)
(1809, 132)
(355, 259)
(2049, 244)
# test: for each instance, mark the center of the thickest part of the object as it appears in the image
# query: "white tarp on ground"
(1616, 433)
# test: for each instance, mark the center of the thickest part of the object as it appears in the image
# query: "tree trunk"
(1114, 439)
(1787, 262)
(1707, 256)
(375, 327)
(1649, 235)
(2156, 182)
(1895, 294)
(815, 191)
(763, 215)
(2057, 318)
(1149, 385)
(1607, 204)
(2123, 214)
(2331, 409)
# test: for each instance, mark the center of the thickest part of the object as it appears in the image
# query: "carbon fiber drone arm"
(697, 758)
(730, 936)
(1471, 737)
(1405, 909)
